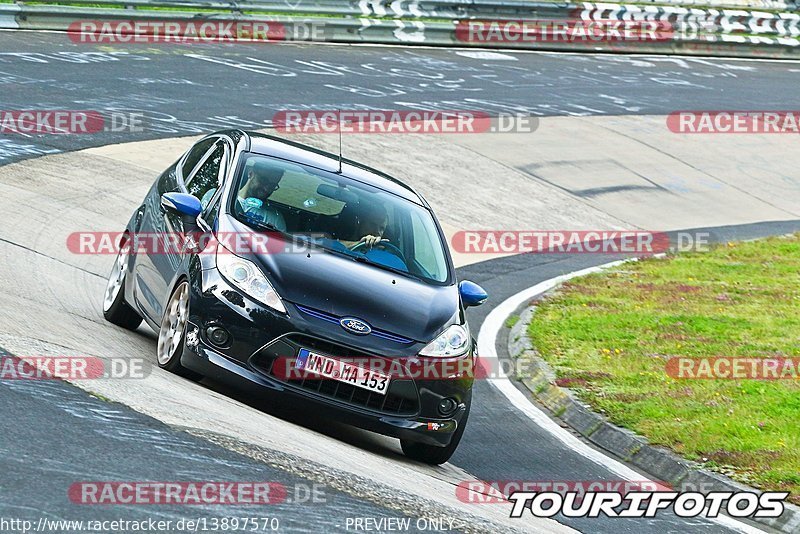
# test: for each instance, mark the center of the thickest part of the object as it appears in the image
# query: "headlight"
(452, 342)
(248, 277)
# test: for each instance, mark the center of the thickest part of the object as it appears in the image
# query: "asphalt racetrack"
(165, 428)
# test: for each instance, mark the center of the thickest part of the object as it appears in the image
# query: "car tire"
(115, 309)
(431, 454)
(172, 333)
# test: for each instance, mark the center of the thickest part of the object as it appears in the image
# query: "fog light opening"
(447, 406)
(217, 335)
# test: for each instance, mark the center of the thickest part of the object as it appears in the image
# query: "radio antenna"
(339, 120)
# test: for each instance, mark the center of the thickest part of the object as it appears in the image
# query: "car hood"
(343, 287)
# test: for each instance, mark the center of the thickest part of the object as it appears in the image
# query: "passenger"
(263, 179)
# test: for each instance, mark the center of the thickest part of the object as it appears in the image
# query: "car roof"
(270, 145)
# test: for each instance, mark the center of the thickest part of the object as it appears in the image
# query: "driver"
(371, 223)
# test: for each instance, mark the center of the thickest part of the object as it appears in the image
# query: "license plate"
(334, 369)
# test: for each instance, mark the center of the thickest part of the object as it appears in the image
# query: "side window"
(424, 249)
(211, 213)
(195, 155)
(207, 176)
(168, 181)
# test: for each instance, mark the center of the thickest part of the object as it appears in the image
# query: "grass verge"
(609, 336)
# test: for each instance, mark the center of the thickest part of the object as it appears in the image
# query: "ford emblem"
(355, 326)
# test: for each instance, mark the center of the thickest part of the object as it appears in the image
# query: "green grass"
(512, 320)
(608, 336)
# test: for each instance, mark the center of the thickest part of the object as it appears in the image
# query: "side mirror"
(181, 204)
(471, 293)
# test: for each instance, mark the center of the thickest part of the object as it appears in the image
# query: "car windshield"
(341, 215)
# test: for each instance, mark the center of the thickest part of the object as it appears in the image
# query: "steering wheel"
(385, 245)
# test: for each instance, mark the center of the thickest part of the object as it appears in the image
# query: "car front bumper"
(258, 333)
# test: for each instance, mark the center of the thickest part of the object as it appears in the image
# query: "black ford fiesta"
(268, 261)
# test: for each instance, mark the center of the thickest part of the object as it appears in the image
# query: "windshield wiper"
(260, 225)
(268, 226)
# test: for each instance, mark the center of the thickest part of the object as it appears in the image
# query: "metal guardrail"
(441, 22)
(402, 9)
(395, 9)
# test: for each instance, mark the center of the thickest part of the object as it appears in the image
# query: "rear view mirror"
(337, 193)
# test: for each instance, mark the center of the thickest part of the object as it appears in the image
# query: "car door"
(205, 161)
(149, 232)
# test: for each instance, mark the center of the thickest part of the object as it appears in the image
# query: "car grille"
(383, 334)
(401, 399)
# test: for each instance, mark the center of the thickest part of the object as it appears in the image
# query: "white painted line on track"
(484, 54)
(487, 340)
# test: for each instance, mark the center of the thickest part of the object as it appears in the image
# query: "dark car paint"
(341, 286)
(316, 279)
